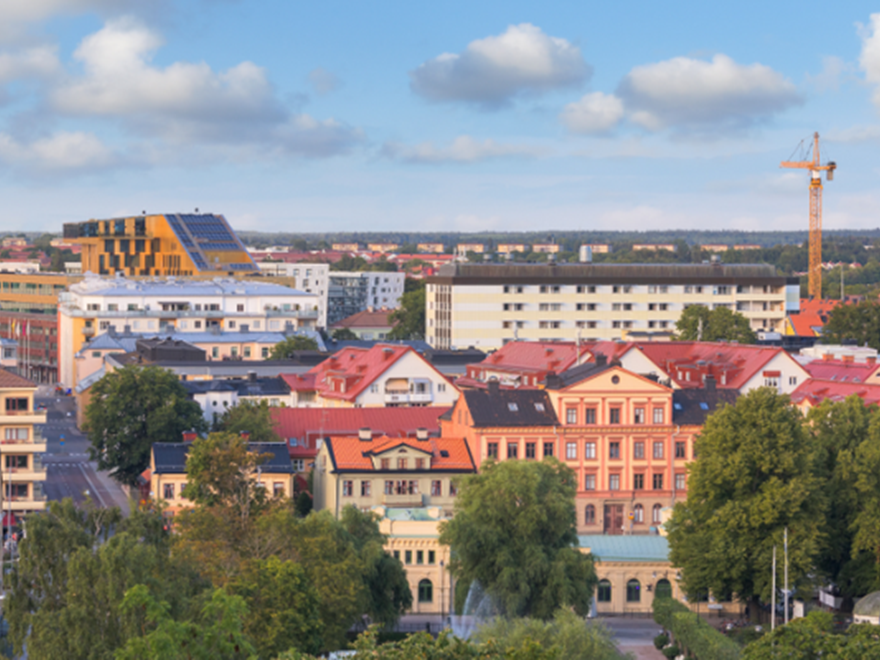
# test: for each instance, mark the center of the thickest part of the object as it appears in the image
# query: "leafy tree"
(755, 477)
(344, 334)
(286, 348)
(303, 504)
(382, 265)
(255, 417)
(854, 323)
(864, 466)
(130, 409)
(5, 254)
(409, 318)
(811, 637)
(514, 532)
(698, 323)
(349, 263)
(57, 262)
(387, 595)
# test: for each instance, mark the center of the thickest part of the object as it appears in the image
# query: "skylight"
(704, 405)
(513, 407)
(539, 407)
(677, 406)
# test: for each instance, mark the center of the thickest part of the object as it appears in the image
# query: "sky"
(448, 116)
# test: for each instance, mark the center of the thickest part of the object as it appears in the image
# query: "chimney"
(552, 381)
(871, 359)
(601, 359)
(245, 435)
(189, 436)
(492, 387)
(709, 383)
(365, 434)
(252, 376)
(848, 359)
(828, 356)
(421, 434)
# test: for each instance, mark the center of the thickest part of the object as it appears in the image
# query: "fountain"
(478, 610)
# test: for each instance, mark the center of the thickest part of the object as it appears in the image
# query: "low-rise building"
(353, 292)
(22, 447)
(510, 248)
(845, 370)
(346, 247)
(714, 247)
(382, 248)
(464, 248)
(218, 396)
(305, 276)
(545, 248)
(431, 248)
(747, 246)
(525, 363)
(371, 324)
(816, 390)
(598, 248)
(655, 247)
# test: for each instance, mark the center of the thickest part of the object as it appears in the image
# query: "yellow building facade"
(21, 447)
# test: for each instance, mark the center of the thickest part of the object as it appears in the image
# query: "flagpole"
(773, 596)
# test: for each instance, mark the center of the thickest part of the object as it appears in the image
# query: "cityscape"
(507, 359)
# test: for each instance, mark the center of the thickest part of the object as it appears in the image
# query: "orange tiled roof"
(535, 356)
(299, 382)
(349, 453)
(816, 390)
(10, 380)
(369, 318)
(812, 316)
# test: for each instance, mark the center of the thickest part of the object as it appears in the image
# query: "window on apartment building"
(638, 513)
(613, 450)
(571, 451)
(603, 591)
(771, 382)
(420, 556)
(492, 450)
(792, 380)
(548, 449)
(453, 489)
(14, 405)
(298, 464)
(230, 324)
(655, 513)
(639, 416)
(407, 557)
(347, 488)
(426, 591)
(277, 489)
(590, 416)
(366, 488)
(385, 463)
(436, 488)
(530, 450)
(613, 482)
(590, 450)
(721, 290)
(680, 451)
(614, 415)
(239, 307)
(168, 491)
(17, 462)
(658, 449)
(215, 352)
(420, 464)
(571, 415)
(658, 415)
(638, 482)
(431, 557)
(512, 449)
(16, 434)
(680, 481)
(401, 464)
(658, 481)
(400, 487)
(589, 515)
(590, 482)
(389, 488)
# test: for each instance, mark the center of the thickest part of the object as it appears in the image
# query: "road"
(69, 471)
(634, 636)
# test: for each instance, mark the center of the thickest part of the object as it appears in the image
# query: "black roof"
(691, 407)
(575, 375)
(170, 457)
(274, 386)
(496, 407)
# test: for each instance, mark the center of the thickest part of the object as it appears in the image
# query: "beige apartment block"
(654, 247)
(598, 248)
(510, 248)
(488, 305)
(382, 247)
(464, 248)
(545, 248)
(21, 446)
(431, 248)
(714, 247)
(345, 247)
(747, 246)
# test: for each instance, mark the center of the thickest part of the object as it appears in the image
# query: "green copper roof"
(626, 548)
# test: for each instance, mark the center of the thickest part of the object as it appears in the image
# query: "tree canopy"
(514, 532)
(254, 417)
(409, 318)
(285, 349)
(755, 476)
(130, 409)
(698, 323)
(344, 334)
(854, 323)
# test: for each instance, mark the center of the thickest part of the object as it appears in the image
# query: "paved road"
(635, 636)
(69, 471)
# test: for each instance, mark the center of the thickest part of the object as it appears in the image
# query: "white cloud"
(463, 149)
(695, 95)
(869, 59)
(37, 62)
(37, 10)
(833, 71)
(63, 152)
(854, 135)
(491, 72)
(324, 81)
(188, 103)
(594, 113)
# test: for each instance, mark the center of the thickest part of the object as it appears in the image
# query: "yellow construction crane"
(816, 169)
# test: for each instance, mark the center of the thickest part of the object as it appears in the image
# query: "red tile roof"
(300, 382)
(306, 425)
(841, 371)
(11, 380)
(812, 316)
(354, 454)
(369, 318)
(815, 390)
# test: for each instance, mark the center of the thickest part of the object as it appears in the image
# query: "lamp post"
(442, 596)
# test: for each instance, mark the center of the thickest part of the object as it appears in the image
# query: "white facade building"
(309, 277)
(353, 292)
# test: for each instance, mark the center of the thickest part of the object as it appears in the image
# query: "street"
(69, 471)
(634, 636)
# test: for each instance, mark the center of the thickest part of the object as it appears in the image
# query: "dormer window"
(401, 463)
(420, 464)
(385, 463)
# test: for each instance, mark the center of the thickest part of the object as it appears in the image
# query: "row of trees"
(764, 468)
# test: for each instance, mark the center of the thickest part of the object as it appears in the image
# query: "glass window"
(638, 482)
(420, 556)
(614, 482)
(639, 416)
(614, 416)
(638, 450)
(658, 449)
(347, 488)
(492, 450)
(389, 488)
(590, 450)
(638, 513)
(658, 481)
(603, 591)
(571, 416)
(590, 416)
(680, 451)
(385, 463)
(548, 449)
(655, 514)
(436, 488)
(365, 488)
(663, 589)
(633, 591)
(613, 450)
(590, 482)
(658, 415)
(571, 451)
(530, 450)
(680, 481)
(401, 463)
(407, 557)
(426, 591)
(512, 450)
(590, 515)
(431, 556)
(168, 491)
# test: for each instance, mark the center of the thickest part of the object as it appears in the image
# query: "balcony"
(406, 397)
(186, 313)
(22, 417)
(405, 501)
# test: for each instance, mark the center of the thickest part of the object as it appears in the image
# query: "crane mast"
(816, 169)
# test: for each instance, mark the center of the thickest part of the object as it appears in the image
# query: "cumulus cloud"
(594, 113)
(37, 62)
(695, 95)
(324, 81)
(491, 72)
(188, 102)
(869, 59)
(61, 153)
(463, 149)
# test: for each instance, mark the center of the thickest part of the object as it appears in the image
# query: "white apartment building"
(353, 292)
(308, 277)
(487, 305)
(174, 305)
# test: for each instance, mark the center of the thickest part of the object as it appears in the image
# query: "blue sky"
(468, 116)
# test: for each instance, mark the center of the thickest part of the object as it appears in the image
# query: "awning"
(9, 517)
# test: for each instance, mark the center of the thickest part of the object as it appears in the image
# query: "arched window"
(590, 515)
(603, 594)
(426, 591)
(638, 513)
(633, 591)
(663, 589)
(655, 516)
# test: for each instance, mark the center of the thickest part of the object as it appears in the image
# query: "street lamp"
(442, 597)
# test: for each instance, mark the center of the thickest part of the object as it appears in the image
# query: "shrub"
(661, 640)
(672, 651)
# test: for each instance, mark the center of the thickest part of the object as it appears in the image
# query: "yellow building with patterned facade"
(21, 447)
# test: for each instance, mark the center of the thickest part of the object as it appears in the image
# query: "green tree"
(811, 638)
(382, 265)
(57, 261)
(409, 318)
(754, 478)
(344, 334)
(514, 532)
(721, 324)
(854, 323)
(349, 264)
(387, 595)
(864, 469)
(130, 409)
(254, 417)
(286, 348)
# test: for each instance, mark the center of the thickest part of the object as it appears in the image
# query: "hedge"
(691, 632)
